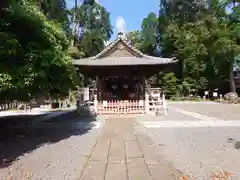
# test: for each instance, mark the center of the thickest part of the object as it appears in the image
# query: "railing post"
(164, 104)
(147, 103)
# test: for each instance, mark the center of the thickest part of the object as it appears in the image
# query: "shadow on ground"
(23, 133)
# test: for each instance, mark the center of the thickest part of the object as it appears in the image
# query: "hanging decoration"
(114, 86)
(125, 86)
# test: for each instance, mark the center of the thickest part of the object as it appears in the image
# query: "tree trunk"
(74, 23)
(231, 79)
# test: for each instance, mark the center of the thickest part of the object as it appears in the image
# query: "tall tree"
(55, 10)
(93, 22)
(205, 46)
(149, 33)
(182, 11)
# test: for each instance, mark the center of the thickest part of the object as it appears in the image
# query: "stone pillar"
(86, 94)
(164, 104)
(147, 103)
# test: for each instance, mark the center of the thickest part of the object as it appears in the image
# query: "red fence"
(115, 107)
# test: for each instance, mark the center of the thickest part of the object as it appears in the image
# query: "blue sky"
(131, 12)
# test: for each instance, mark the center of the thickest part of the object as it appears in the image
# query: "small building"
(120, 72)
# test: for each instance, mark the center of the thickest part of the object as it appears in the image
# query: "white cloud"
(120, 24)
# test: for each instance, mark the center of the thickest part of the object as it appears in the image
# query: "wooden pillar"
(142, 87)
(94, 87)
(104, 93)
(146, 86)
(98, 89)
(137, 91)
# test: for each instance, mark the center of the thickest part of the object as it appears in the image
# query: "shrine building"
(120, 74)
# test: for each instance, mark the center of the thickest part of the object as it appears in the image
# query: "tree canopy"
(93, 27)
(34, 56)
(36, 52)
(203, 36)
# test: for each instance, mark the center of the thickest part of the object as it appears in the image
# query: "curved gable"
(120, 49)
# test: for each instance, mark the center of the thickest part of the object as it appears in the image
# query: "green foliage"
(55, 10)
(181, 11)
(136, 38)
(205, 39)
(33, 63)
(145, 40)
(91, 44)
(149, 30)
(97, 28)
(75, 53)
(169, 83)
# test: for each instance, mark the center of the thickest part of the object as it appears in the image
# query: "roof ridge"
(112, 44)
(107, 48)
(125, 42)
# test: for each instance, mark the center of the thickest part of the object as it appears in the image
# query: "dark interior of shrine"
(120, 88)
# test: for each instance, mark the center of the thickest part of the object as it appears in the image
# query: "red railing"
(116, 107)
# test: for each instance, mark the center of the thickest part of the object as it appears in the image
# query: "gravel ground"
(217, 110)
(50, 151)
(46, 151)
(200, 151)
(197, 151)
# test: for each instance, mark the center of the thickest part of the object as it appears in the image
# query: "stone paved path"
(121, 153)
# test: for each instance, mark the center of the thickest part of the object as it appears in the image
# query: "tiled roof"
(143, 59)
